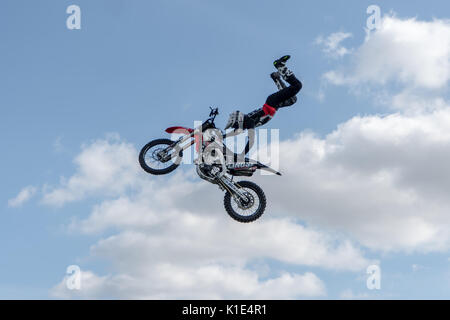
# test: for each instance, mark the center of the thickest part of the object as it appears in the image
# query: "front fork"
(232, 188)
(214, 176)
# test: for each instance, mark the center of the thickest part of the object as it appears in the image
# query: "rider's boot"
(276, 77)
(280, 64)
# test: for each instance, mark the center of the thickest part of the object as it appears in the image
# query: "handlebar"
(214, 112)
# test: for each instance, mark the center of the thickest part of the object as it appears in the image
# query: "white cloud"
(102, 169)
(407, 51)
(177, 223)
(411, 101)
(167, 281)
(332, 44)
(219, 239)
(407, 59)
(24, 195)
(382, 180)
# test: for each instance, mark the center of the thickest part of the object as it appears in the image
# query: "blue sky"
(137, 67)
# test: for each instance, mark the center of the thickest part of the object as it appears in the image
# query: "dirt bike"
(244, 201)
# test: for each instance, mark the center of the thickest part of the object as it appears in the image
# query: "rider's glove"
(236, 120)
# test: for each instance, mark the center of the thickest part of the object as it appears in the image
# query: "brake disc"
(247, 205)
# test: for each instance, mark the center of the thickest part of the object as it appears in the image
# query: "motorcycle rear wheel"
(255, 208)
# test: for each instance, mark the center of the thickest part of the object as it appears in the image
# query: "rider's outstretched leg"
(277, 98)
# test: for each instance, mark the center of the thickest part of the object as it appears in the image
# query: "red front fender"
(182, 130)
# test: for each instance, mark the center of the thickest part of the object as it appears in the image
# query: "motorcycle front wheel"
(150, 157)
(246, 211)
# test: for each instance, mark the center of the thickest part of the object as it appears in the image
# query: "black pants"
(275, 101)
(279, 97)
